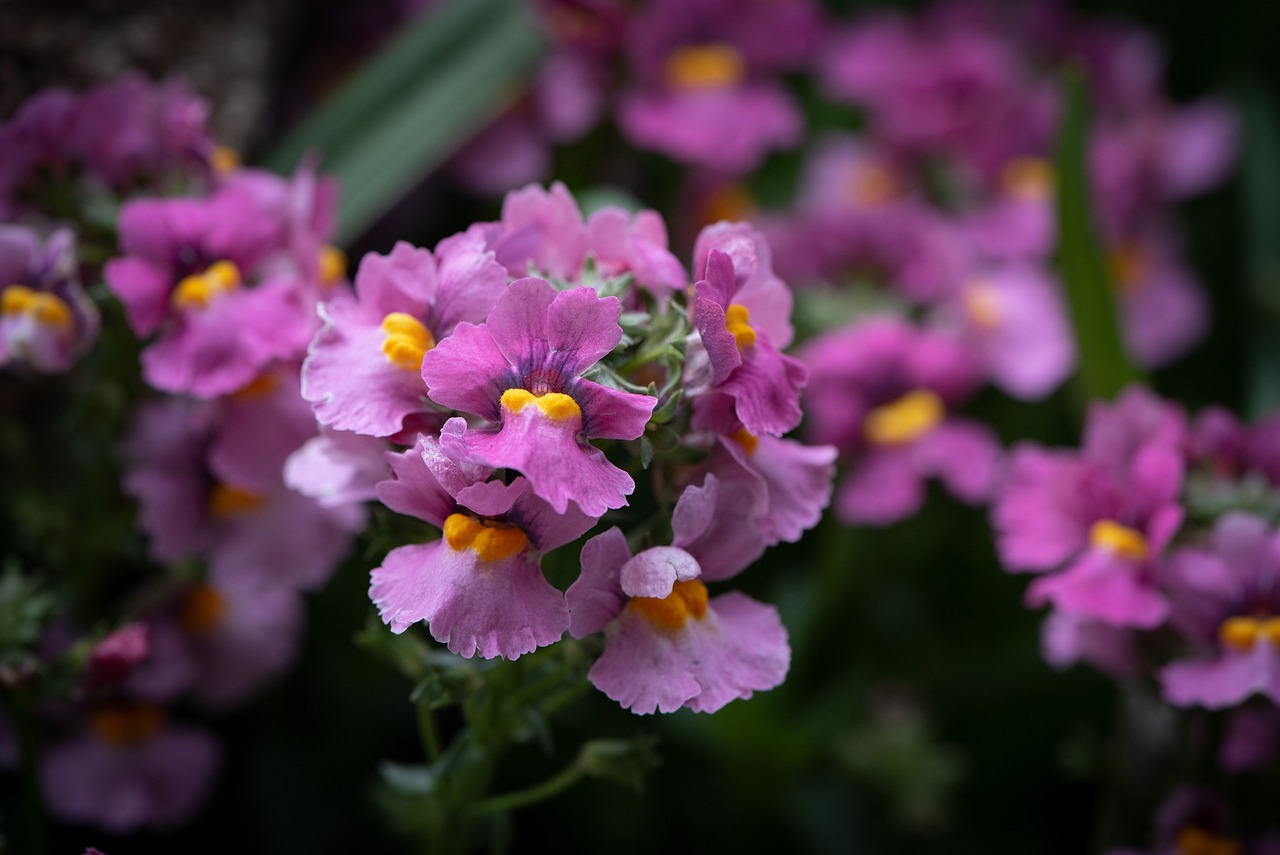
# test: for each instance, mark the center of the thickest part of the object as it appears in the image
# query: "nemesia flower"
(185, 267)
(337, 468)
(479, 588)
(1107, 512)
(705, 91)
(1016, 322)
(221, 642)
(880, 392)
(1227, 600)
(667, 644)
(363, 370)
(117, 654)
(129, 770)
(522, 371)
(46, 319)
(1163, 307)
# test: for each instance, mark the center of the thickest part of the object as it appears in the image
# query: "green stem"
(37, 837)
(531, 795)
(427, 733)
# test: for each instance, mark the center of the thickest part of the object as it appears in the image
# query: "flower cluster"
(1155, 547)
(530, 370)
(218, 269)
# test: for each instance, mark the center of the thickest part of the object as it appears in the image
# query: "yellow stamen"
(871, 185)
(554, 405)
(124, 724)
(1127, 265)
(333, 264)
(1029, 178)
(260, 387)
(1194, 840)
(227, 501)
(195, 291)
(1240, 632)
(705, 66)
(16, 300)
(1118, 539)
(492, 541)
(736, 321)
(1271, 630)
(904, 420)
(407, 341)
(746, 439)
(982, 302)
(202, 609)
(225, 159)
(49, 310)
(686, 600)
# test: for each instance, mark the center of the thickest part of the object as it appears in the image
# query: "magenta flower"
(667, 645)
(522, 370)
(880, 392)
(117, 654)
(129, 771)
(1107, 513)
(744, 363)
(706, 92)
(363, 370)
(1163, 308)
(1226, 600)
(480, 588)
(1014, 319)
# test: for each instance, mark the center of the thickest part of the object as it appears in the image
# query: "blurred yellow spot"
(1128, 264)
(260, 387)
(1028, 178)
(1194, 840)
(202, 609)
(729, 201)
(490, 540)
(982, 302)
(333, 264)
(746, 439)
(407, 341)
(195, 291)
(705, 67)
(1118, 539)
(737, 321)
(227, 501)
(225, 159)
(686, 600)
(872, 184)
(554, 405)
(126, 723)
(49, 310)
(904, 420)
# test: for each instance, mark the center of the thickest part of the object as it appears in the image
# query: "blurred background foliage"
(918, 716)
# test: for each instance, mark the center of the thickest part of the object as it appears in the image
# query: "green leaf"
(409, 109)
(1104, 367)
(1261, 197)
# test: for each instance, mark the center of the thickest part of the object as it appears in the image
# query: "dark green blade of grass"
(1104, 367)
(1260, 195)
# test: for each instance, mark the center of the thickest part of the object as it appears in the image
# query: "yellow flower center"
(1194, 840)
(872, 184)
(492, 541)
(126, 723)
(686, 600)
(197, 290)
(904, 420)
(260, 387)
(736, 321)
(225, 159)
(730, 201)
(1118, 539)
(407, 341)
(554, 405)
(746, 439)
(982, 302)
(1029, 178)
(227, 501)
(49, 310)
(333, 264)
(1243, 632)
(705, 67)
(202, 610)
